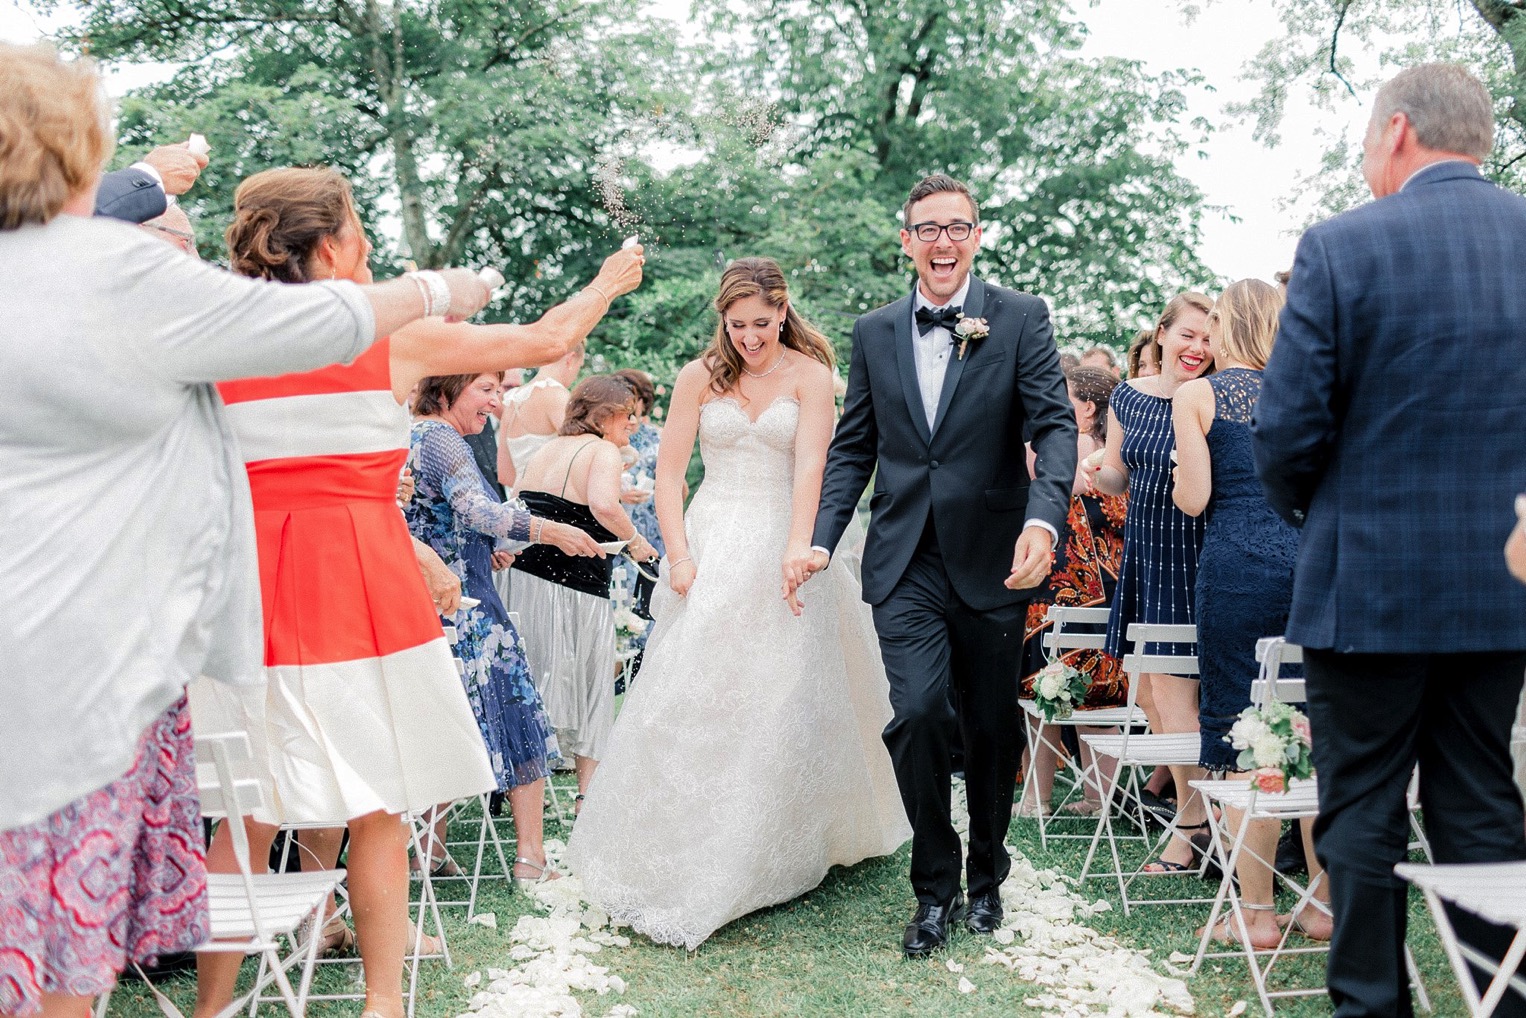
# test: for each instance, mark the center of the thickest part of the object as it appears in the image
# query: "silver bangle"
(436, 292)
(678, 562)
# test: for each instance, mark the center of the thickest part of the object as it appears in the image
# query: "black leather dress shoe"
(928, 929)
(985, 913)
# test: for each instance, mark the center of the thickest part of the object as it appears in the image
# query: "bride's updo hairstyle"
(592, 402)
(758, 277)
(281, 216)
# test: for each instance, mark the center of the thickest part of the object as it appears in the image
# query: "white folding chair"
(1071, 629)
(1493, 891)
(251, 911)
(1145, 751)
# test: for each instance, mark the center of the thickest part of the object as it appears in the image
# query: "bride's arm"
(817, 412)
(673, 456)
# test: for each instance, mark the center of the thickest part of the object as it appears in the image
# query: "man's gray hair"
(1447, 106)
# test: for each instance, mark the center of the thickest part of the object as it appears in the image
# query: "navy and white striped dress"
(1160, 542)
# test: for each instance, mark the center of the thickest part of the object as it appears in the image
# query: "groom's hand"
(1031, 559)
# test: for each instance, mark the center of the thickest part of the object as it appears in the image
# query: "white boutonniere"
(970, 330)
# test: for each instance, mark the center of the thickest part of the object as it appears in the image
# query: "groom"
(944, 386)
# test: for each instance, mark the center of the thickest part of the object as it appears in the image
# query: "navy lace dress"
(460, 517)
(1245, 574)
(1157, 582)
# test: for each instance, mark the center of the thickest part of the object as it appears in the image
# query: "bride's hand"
(681, 577)
(799, 564)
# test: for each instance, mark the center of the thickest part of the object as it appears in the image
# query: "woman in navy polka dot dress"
(1160, 542)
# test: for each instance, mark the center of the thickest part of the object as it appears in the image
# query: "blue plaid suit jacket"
(1392, 421)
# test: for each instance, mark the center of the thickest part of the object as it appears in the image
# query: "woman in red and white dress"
(363, 716)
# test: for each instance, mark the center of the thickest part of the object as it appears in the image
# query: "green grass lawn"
(836, 951)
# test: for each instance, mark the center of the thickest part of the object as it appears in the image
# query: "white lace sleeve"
(446, 460)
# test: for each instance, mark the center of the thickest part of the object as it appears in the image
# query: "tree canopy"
(534, 135)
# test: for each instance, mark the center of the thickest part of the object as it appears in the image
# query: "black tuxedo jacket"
(969, 471)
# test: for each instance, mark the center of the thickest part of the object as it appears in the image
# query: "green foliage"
(533, 136)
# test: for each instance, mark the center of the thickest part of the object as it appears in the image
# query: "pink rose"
(1302, 731)
(1269, 779)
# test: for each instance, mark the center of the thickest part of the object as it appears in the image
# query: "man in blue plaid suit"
(1392, 428)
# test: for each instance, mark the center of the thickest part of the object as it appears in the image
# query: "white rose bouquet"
(1058, 689)
(1274, 745)
(629, 627)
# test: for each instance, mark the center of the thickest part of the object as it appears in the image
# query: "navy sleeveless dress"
(1245, 574)
(1157, 582)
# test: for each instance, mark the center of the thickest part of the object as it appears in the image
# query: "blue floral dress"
(644, 515)
(461, 518)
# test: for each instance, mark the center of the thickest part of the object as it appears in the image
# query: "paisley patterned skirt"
(114, 877)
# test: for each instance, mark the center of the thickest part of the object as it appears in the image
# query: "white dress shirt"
(933, 349)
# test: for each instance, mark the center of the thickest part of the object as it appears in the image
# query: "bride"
(747, 758)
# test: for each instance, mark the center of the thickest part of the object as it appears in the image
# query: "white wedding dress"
(747, 758)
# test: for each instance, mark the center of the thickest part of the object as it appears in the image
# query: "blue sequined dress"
(1245, 574)
(460, 517)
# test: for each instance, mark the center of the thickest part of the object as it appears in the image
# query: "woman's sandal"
(338, 938)
(1029, 810)
(1198, 849)
(1082, 808)
(1294, 919)
(1221, 930)
(544, 873)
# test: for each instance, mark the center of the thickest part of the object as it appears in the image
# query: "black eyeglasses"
(928, 232)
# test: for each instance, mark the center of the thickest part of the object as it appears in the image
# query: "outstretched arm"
(434, 346)
(672, 465)
(1295, 420)
(850, 458)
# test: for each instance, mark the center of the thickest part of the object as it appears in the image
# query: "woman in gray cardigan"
(127, 565)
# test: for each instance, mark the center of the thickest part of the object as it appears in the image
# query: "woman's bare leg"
(1254, 869)
(217, 973)
(319, 849)
(56, 1005)
(585, 765)
(378, 879)
(527, 804)
(1175, 702)
(1314, 923)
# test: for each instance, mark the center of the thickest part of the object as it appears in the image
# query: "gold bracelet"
(607, 301)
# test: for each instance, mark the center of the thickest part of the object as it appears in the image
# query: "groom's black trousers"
(1373, 717)
(939, 652)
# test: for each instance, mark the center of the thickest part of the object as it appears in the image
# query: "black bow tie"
(935, 318)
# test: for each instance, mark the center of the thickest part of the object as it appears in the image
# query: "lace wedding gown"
(747, 758)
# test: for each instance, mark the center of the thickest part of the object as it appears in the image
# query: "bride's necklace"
(764, 374)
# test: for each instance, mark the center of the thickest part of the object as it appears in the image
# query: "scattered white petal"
(1236, 1011)
(965, 986)
(472, 980)
(1178, 958)
(488, 919)
(953, 966)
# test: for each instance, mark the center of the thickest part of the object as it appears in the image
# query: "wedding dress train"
(747, 758)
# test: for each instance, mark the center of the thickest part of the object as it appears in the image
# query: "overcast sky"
(1250, 180)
